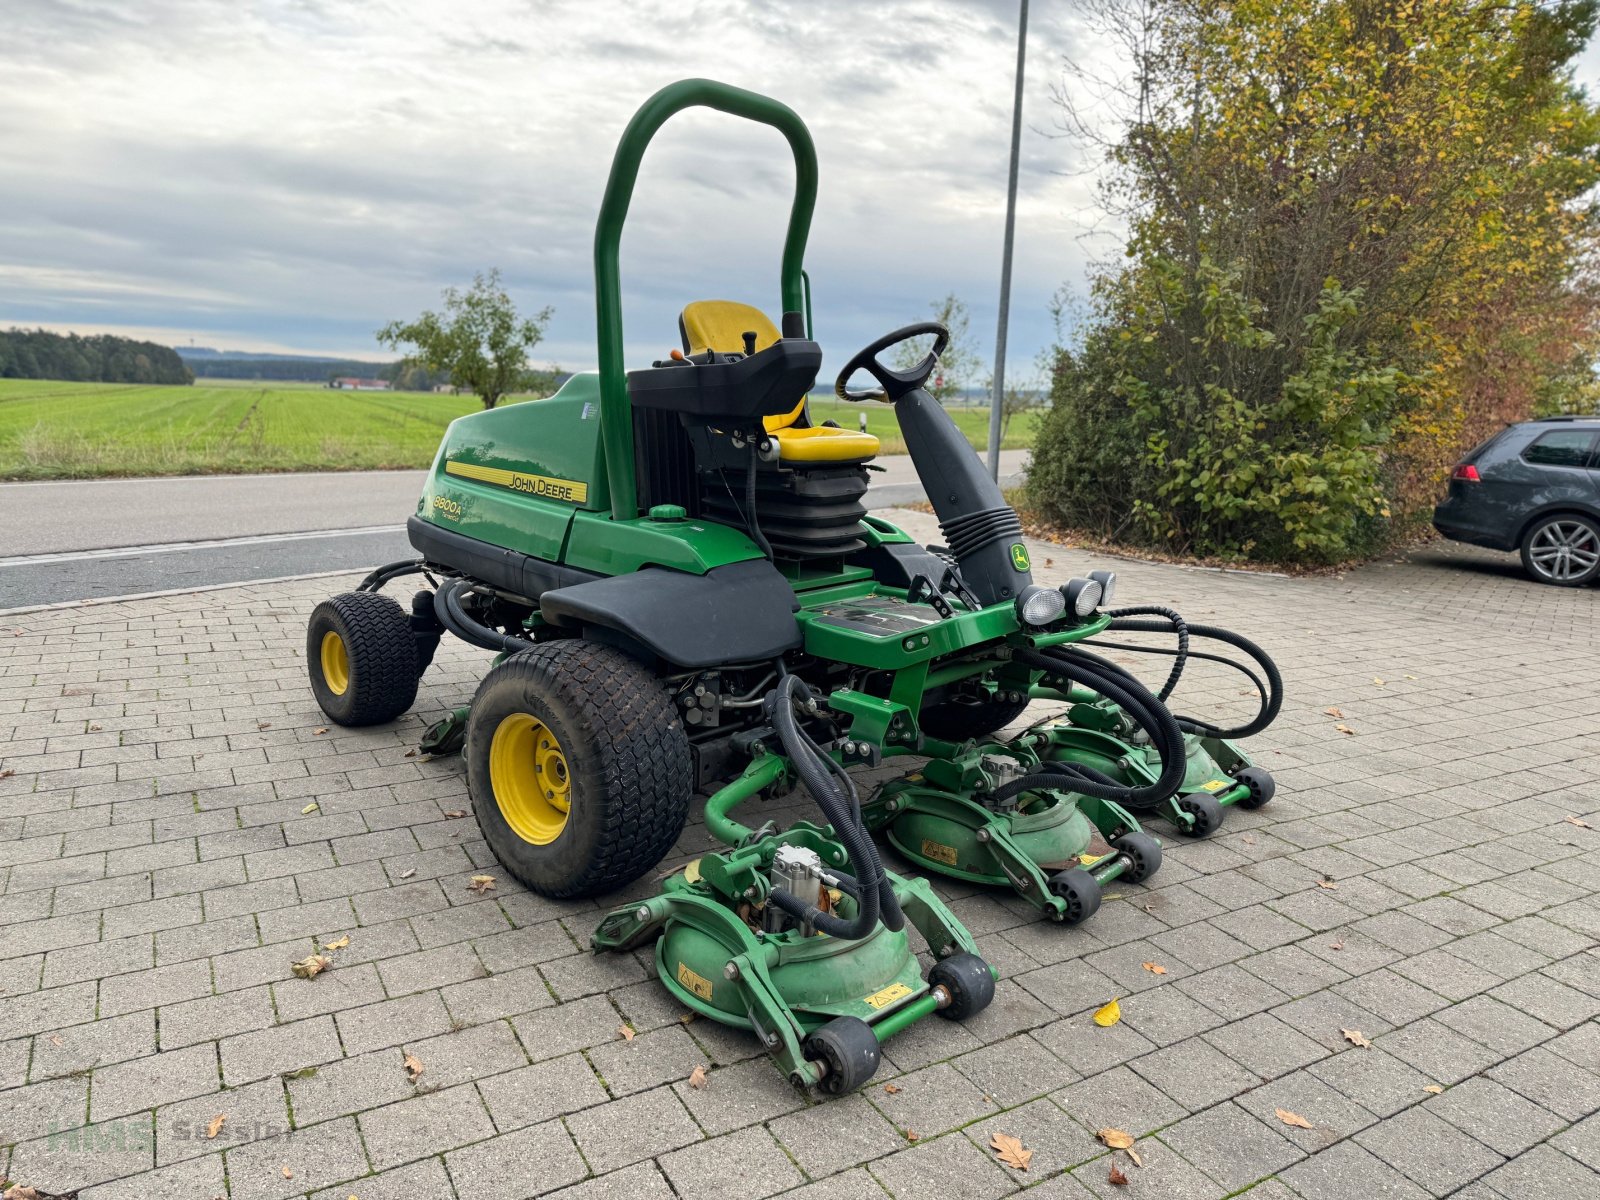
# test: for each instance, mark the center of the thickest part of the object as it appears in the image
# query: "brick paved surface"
(177, 824)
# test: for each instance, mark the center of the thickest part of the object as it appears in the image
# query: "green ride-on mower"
(685, 593)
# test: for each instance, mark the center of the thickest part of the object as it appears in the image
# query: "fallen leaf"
(1049, 562)
(1154, 968)
(892, 1089)
(338, 945)
(302, 1073)
(481, 884)
(1292, 1118)
(1327, 883)
(1134, 1155)
(1334, 712)
(411, 753)
(263, 724)
(1108, 1015)
(1339, 945)
(1117, 1178)
(1578, 821)
(312, 966)
(1345, 729)
(1355, 1037)
(309, 809)
(1117, 1139)
(287, 1174)
(1377, 681)
(455, 814)
(18, 1191)
(1410, 676)
(413, 1066)
(55, 1039)
(214, 1126)
(913, 1136)
(7, 773)
(1434, 1088)
(407, 874)
(320, 730)
(627, 1033)
(1011, 1151)
(697, 1078)
(95, 728)
(685, 1018)
(1248, 840)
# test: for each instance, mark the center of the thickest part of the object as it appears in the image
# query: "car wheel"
(1563, 550)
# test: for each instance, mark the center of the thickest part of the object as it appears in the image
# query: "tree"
(957, 363)
(1018, 399)
(478, 340)
(1360, 237)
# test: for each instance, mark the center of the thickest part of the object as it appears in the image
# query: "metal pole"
(1005, 259)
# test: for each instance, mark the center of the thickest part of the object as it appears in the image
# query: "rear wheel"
(578, 766)
(1079, 893)
(967, 981)
(848, 1051)
(1563, 550)
(362, 658)
(1261, 785)
(958, 719)
(1143, 853)
(1205, 812)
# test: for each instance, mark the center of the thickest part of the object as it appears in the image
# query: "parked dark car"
(1533, 487)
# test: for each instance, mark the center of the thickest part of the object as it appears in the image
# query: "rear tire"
(959, 720)
(967, 980)
(1205, 810)
(848, 1049)
(578, 766)
(1563, 550)
(362, 659)
(1261, 784)
(1079, 891)
(1143, 852)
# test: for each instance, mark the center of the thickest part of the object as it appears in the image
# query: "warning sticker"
(699, 985)
(1215, 785)
(889, 995)
(939, 852)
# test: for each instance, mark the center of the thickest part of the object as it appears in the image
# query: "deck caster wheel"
(1205, 810)
(848, 1052)
(1261, 784)
(362, 659)
(1143, 852)
(969, 983)
(1079, 891)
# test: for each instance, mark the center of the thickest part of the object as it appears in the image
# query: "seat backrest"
(720, 325)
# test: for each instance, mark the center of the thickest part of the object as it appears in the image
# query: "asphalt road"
(88, 539)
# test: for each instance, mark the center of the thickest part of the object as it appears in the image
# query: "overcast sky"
(290, 174)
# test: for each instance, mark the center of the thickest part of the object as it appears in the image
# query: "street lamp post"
(998, 398)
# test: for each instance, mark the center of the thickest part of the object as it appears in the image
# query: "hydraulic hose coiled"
(1269, 684)
(830, 786)
(447, 607)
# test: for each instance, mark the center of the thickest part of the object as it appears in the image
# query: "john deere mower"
(685, 594)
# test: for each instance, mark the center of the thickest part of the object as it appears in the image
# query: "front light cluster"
(1039, 606)
(1084, 596)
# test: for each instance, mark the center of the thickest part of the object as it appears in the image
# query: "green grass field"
(51, 430)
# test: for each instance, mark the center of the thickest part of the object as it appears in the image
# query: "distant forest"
(100, 358)
(282, 368)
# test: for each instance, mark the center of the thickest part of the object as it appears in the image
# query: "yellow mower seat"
(720, 325)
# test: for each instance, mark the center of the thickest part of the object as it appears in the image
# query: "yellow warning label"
(1215, 785)
(570, 490)
(889, 995)
(938, 852)
(699, 985)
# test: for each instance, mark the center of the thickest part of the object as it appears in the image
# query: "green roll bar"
(616, 411)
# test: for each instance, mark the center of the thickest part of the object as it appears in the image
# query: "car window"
(1561, 448)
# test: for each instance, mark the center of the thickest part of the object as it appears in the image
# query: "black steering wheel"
(892, 384)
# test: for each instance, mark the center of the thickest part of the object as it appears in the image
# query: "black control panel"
(731, 389)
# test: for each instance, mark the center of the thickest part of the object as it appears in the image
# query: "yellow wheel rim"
(529, 777)
(335, 663)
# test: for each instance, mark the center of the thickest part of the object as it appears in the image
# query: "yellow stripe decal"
(534, 485)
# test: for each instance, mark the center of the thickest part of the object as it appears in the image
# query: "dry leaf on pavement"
(1117, 1139)
(408, 873)
(626, 1033)
(1011, 1151)
(287, 1174)
(338, 945)
(1346, 730)
(1292, 1118)
(413, 1066)
(481, 884)
(1338, 945)
(1434, 1088)
(1154, 968)
(1327, 883)
(311, 966)
(309, 809)
(698, 1078)
(913, 1136)
(455, 814)
(320, 730)
(1108, 1015)
(1116, 1178)
(263, 724)
(19, 1191)
(214, 1126)
(1335, 712)
(892, 1089)
(1355, 1037)
(1578, 821)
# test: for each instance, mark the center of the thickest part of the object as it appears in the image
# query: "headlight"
(1039, 605)
(1108, 586)
(1081, 597)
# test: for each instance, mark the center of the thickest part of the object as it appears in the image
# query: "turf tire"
(959, 720)
(626, 753)
(382, 656)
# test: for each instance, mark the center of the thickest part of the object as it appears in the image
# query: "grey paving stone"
(642, 1181)
(1088, 1048)
(1552, 1082)
(469, 1054)
(842, 1133)
(1377, 1080)
(739, 1095)
(1120, 1099)
(746, 1163)
(1439, 1051)
(576, 1025)
(513, 1165)
(1494, 1114)
(632, 1129)
(391, 1022)
(650, 1059)
(252, 1113)
(350, 1085)
(1265, 1045)
(546, 1089)
(1058, 1144)
(142, 1083)
(1231, 1146)
(1347, 1170)
(213, 1017)
(201, 1177)
(1430, 1152)
(1195, 1074)
(411, 1182)
(99, 1043)
(314, 1157)
(930, 1101)
(1542, 1171)
(1333, 1116)
(80, 1156)
(1014, 1071)
(283, 1048)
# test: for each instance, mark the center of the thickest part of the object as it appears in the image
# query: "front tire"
(1562, 550)
(361, 658)
(579, 769)
(1079, 892)
(1205, 812)
(1261, 784)
(969, 983)
(848, 1051)
(1143, 853)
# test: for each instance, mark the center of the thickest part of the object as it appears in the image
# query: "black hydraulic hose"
(1134, 699)
(1255, 680)
(383, 575)
(1271, 695)
(754, 524)
(1179, 626)
(835, 802)
(447, 607)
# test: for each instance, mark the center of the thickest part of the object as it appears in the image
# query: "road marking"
(32, 560)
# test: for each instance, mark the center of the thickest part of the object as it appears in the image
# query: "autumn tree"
(1358, 239)
(478, 340)
(958, 363)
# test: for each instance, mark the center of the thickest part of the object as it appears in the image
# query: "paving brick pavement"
(178, 822)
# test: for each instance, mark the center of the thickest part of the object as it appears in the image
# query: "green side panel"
(875, 531)
(609, 547)
(514, 476)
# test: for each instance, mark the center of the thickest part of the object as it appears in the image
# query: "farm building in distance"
(353, 384)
